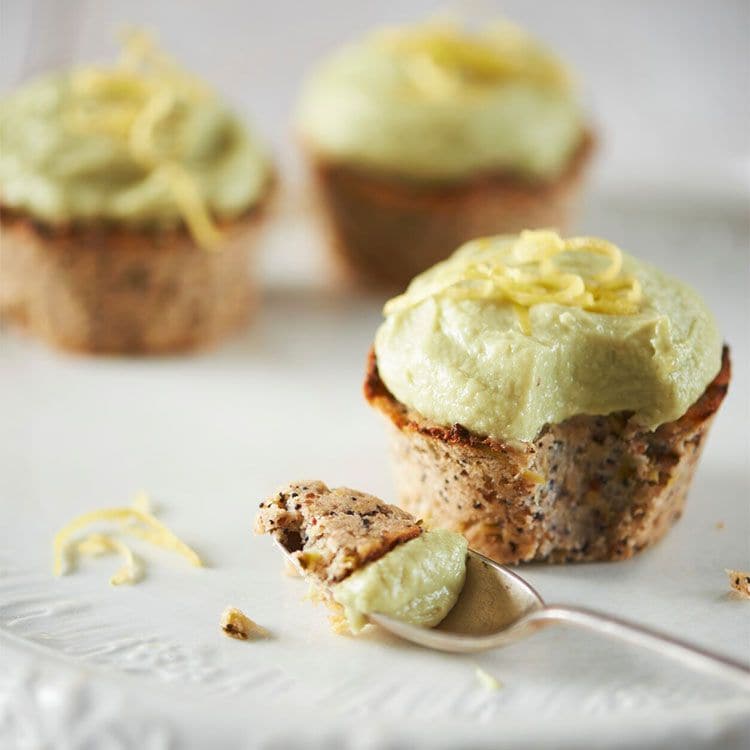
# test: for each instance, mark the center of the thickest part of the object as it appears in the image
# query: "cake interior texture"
(590, 488)
(365, 556)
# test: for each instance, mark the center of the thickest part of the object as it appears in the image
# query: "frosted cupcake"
(547, 398)
(423, 137)
(130, 195)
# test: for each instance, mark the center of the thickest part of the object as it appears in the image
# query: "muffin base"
(108, 289)
(589, 488)
(332, 533)
(385, 229)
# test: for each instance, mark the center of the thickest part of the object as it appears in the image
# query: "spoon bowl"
(492, 605)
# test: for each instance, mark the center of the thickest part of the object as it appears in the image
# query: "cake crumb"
(739, 582)
(236, 624)
(339, 623)
(337, 619)
(290, 569)
(316, 595)
(719, 525)
(486, 680)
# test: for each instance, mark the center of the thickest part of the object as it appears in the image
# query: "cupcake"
(423, 137)
(129, 198)
(548, 398)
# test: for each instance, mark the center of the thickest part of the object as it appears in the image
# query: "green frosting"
(470, 361)
(443, 104)
(57, 170)
(417, 582)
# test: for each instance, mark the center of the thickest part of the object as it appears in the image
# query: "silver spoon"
(497, 607)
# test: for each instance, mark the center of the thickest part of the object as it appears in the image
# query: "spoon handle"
(690, 655)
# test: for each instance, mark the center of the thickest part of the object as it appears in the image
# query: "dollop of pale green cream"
(423, 114)
(417, 582)
(57, 172)
(468, 361)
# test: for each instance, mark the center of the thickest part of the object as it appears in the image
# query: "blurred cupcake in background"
(423, 137)
(130, 195)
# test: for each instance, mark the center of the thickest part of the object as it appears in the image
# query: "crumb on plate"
(236, 624)
(739, 581)
(337, 619)
(486, 680)
(290, 569)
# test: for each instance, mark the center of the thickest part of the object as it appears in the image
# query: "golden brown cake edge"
(385, 229)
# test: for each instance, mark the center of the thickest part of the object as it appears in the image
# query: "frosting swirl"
(440, 102)
(515, 332)
(138, 143)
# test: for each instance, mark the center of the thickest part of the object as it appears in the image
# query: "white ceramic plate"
(84, 665)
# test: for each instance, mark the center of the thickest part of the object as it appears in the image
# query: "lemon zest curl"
(443, 57)
(136, 520)
(528, 272)
(130, 102)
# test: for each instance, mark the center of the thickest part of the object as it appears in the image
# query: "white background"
(212, 434)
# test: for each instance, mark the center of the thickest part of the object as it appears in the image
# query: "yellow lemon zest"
(161, 536)
(136, 520)
(528, 273)
(442, 56)
(130, 102)
(99, 544)
(189, 201)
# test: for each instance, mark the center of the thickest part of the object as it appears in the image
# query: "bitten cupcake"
(549, 398)
(423, 137)
(364, 555)
(130, 195)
